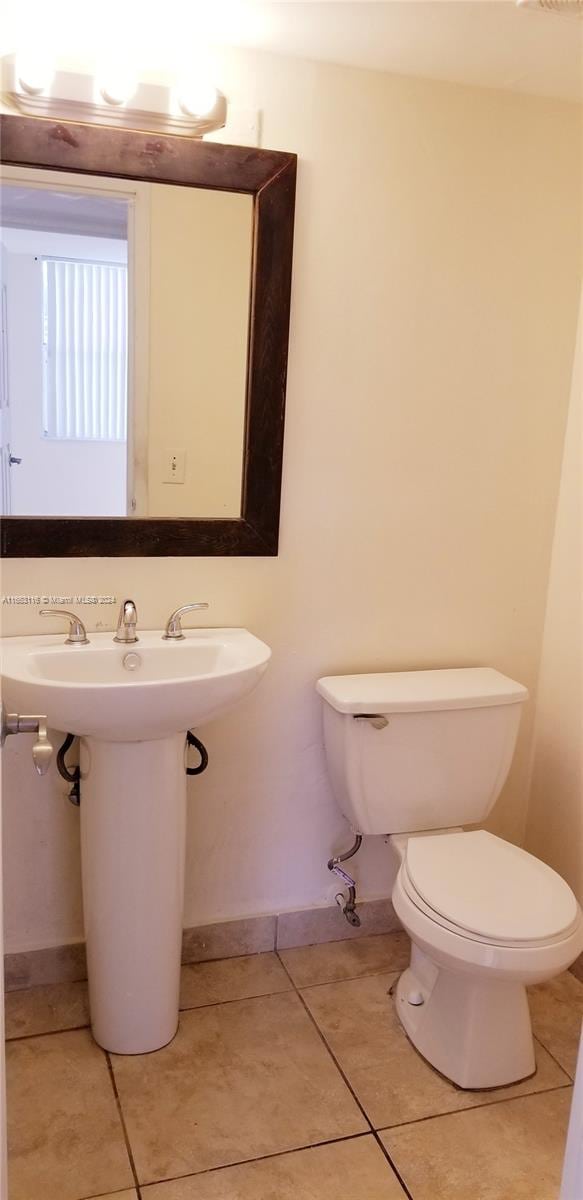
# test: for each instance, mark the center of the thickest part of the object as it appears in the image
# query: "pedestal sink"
(132, 705)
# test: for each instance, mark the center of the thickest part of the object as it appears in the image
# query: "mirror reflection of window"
(85, 350)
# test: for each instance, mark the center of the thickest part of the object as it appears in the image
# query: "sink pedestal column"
(133, 826)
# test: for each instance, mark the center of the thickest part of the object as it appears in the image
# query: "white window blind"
(85, 350)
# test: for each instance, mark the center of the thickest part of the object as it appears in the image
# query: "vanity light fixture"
(104, 98)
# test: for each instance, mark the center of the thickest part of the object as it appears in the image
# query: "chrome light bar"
(70, 96)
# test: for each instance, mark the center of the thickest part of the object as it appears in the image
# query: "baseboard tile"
(228, 939)
(55, 964)
(311, 925)
(222, 939)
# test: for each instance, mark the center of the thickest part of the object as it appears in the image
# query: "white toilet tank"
(436, 755)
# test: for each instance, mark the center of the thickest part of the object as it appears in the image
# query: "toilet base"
(474, 1031)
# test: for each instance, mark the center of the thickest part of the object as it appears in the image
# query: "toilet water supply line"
(191, 740)
(348, 906)
(73, 774)
(70, 774)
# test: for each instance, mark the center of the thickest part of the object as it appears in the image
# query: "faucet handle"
(77, 632)
(173, 631)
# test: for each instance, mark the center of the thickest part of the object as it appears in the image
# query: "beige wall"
(200, 272)
(434, 308)
(555, 824)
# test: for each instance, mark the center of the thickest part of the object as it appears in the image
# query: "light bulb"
(116, 87)
(34, 72)
(197, 99)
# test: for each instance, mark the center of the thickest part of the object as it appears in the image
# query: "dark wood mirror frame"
(270, 177)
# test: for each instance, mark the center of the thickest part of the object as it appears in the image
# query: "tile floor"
(289, 1078)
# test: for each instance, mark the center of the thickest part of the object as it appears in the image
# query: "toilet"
(417, 755)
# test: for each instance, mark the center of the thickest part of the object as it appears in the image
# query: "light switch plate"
(174, 466)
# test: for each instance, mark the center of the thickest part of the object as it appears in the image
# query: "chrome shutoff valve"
(42, 750)
(347, 903)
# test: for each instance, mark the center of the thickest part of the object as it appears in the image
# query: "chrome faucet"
(173, 631)
(126, 623)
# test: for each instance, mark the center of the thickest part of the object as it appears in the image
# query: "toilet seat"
(487, 890)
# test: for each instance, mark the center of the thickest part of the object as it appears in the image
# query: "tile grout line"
(383, 1149)
(106, 1195)
(245, 1162)
(305, 987)
(26, 1037)
(538, 1039)
(454, 1112)
(123, 1124)
(234, 1000)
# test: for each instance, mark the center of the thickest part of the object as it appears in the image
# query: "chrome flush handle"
(375, 719)
(173, 631)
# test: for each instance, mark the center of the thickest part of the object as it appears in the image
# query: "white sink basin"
(137, 692)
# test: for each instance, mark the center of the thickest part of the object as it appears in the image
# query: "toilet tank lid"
(420, 691)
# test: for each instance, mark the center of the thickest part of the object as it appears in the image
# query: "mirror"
(97, 279)
(143, 342)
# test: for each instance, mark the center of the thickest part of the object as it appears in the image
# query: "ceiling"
(62, 212)
(488, 43)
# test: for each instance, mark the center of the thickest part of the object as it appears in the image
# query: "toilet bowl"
(485, 919)
(416, 755)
